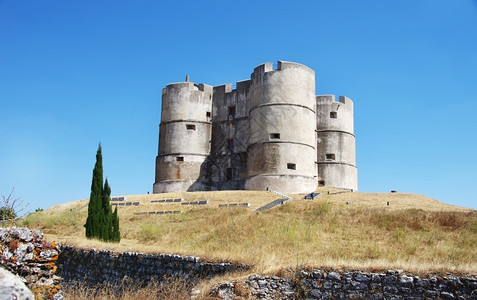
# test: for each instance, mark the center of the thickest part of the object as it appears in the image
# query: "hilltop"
(349, 230)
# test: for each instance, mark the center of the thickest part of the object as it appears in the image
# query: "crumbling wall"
(322, 284)
(25, 253)
(94, 267)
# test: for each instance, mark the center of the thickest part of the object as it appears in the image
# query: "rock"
(334, 276)
(405, 280)
(12, 287)
(362, 278)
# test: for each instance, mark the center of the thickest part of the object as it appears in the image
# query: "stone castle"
(270, 132)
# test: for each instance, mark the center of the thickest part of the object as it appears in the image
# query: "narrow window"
(231, 143)
(274, 136)
(228, 174)
(291, 166)
(180, 158)
(333, 115)
(190, 126)
(321, 183)
(330, 156)
(232, 111)
(208, 114)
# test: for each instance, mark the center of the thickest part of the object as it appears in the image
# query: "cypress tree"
(101, 222)
(106, 217)
(93, 222)
(116, 235)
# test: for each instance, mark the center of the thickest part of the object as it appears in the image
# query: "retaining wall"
(321, 284)
(95, 267)
(25, 253)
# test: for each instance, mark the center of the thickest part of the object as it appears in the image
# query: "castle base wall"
(167, 186)
(336, 175)
(287, 184)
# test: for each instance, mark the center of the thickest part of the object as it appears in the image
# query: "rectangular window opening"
(275, 136)
(228, 174)
(208, 114)
(180, 158)
(232, 111)
(333, 115)
(231, 144)
(330, 156)
(190, 126)
(291, 166)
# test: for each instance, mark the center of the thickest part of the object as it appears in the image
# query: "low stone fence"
(25, 253)
(321, 284)
(94, 267)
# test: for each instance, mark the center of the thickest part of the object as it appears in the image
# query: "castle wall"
(282, 147)
(336, 146)
(184, 136)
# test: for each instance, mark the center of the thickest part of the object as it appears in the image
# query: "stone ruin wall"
(25, 253)
(93, 267)
(329, 284)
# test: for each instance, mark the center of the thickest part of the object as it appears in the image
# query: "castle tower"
(282, 141)
(336, 143)
(184, 136)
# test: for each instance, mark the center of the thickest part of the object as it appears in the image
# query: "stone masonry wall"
(25, 253)
(321, 284)
(95, 267)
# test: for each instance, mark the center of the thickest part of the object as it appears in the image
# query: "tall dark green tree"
(93, 222)
(101, 222)
(107, 214)
(115, 235)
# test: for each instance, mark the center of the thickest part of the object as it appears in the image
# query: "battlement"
(223, 89)
(240, 87)
(190, 85)
(281, 65)
(330, 99)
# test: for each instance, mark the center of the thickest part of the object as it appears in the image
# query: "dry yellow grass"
(413, 233)
(169, 290)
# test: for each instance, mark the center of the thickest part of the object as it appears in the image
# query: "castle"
(270, 132)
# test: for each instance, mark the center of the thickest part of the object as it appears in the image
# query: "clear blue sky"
(76, 73)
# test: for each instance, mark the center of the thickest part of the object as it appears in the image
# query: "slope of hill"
(336, 229)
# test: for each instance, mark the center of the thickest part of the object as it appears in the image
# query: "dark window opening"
(180, 158)
(208, 114)
(321, 183)
(274, 135)
(231, 144)
(228, 174)
(333, 115)
(291, 166)
(190, 126)
(232, 111)
(330, 156)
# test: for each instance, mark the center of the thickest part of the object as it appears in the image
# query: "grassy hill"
(337, 229)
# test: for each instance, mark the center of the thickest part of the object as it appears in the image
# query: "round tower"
(336, 145)
(282, 141)
(184, 136)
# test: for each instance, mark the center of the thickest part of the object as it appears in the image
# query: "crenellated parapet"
(334, 114)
